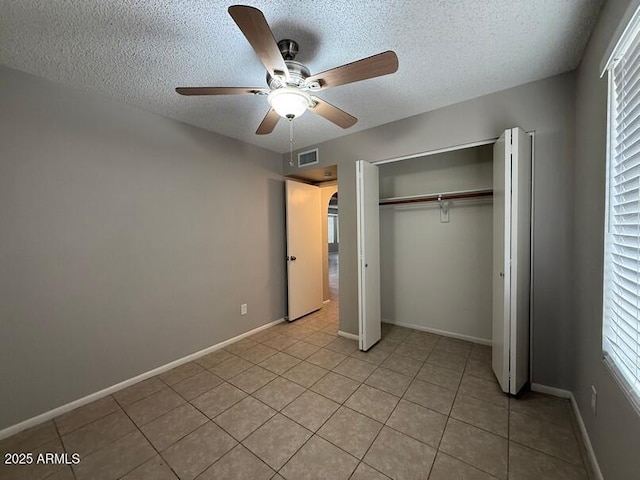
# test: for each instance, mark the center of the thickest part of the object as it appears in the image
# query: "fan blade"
(333, 114)
(268, 123)
(370, 67)
(220, 90)
(255, 28)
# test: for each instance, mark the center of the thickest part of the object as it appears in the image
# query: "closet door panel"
(511, 259)
(520, 259)
(501, 257)
(368, 233)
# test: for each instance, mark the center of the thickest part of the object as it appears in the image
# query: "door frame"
(479, 143)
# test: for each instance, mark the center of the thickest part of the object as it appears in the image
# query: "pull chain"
(291, 142)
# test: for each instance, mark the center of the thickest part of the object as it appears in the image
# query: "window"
(621, 309)
(333, 228)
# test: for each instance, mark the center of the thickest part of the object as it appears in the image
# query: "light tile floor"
(298, 402)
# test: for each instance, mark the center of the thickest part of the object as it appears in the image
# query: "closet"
(455, 247)
(436, 255)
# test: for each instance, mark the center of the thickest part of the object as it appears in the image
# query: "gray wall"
(437, 275)
(127, 241)
(546, 106)
(615, 430)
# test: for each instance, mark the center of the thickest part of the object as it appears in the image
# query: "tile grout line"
(347, 356)
(238, 442)
(391, 414)
(342, 404)
(166, 413)
(586, 464)
(508, 435)
(73, 472)
(449, 416)
(564, 460)
(315, 433)
(85, 424)
(148, 441)
(121, 409)
(547, 454)
(447, 422)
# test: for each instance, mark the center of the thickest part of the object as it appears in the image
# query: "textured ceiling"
(137, 51)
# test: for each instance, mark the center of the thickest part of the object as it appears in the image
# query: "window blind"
(621, 323)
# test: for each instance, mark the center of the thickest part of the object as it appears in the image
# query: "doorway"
(333, 247)
(332, 264)
(324, 180)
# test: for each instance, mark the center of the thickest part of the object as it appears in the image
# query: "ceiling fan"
(290, 84)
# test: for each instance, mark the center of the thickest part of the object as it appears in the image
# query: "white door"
(520, 258)
(501, 256)
(368, 228)
(511, 258)
(304, 249)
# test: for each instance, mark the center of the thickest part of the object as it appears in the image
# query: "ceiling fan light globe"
(289, 102)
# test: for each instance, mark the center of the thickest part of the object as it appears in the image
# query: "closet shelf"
(437, 197)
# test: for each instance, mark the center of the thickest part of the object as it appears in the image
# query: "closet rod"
(437, 197)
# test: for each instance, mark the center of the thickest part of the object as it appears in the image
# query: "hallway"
(334, 267)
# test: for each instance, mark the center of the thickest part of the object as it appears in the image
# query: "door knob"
(293, 258)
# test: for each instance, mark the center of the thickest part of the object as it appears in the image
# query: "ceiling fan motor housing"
(298, 72)
(297, 75)
(288, 48)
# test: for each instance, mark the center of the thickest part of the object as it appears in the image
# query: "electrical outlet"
(594, 399)
(243, 309)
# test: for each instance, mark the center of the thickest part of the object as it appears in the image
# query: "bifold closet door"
(511, 258)
(368, 239)
(501, 260)
(304, 249)
(520, 258)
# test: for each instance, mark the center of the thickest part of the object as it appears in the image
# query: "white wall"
(437, 275)
(127, 241)
(546, 106)
(615, 429)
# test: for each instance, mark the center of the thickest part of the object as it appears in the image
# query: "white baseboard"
(56, 412)
(558, 392)
(458, 336)
(348, 335)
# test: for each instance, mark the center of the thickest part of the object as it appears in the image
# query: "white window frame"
(333, 218)
(627, 378)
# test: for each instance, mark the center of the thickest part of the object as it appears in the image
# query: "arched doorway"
(333, 246)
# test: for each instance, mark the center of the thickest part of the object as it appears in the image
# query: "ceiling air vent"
(308, 158)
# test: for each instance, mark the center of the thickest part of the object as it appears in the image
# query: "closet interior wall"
(436, 276)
